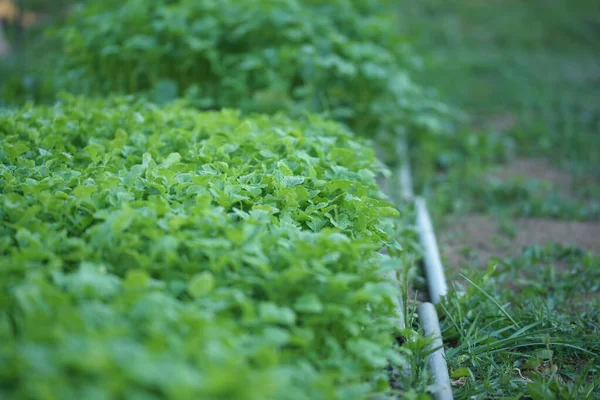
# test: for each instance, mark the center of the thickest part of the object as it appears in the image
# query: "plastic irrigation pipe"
(437, 360)
(435, 279)
(434, 271)
(406, 187)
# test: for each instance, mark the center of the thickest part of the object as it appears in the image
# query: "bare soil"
(503, 123)
(537, 169)
(480, 238)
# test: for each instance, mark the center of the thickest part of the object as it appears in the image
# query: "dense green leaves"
(149, 253)
(339, 57)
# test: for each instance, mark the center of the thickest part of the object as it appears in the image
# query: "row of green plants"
(342, 58)
(164, 252)
(189, 222)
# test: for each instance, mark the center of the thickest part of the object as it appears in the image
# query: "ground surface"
(475, 239)
(516, 195)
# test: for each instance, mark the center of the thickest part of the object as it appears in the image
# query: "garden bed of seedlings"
(200, 216)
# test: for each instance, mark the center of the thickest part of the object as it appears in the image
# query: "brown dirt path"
(479, 237)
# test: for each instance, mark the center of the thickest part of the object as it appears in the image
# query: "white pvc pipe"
(403, 173)
(437, 359)
(434, 270)
(435, 279)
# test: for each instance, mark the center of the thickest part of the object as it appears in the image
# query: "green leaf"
(94, 151)
(460, 372)
(308, 303)
(272, 314)
(84, 192)
(92, 280)
(201, 284)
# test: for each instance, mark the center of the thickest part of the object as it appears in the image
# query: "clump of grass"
(526, 327)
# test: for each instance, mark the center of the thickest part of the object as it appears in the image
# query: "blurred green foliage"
(152, 252)
(341, 58)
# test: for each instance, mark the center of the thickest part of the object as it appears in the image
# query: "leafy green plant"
(168, 253)
(339, 57)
